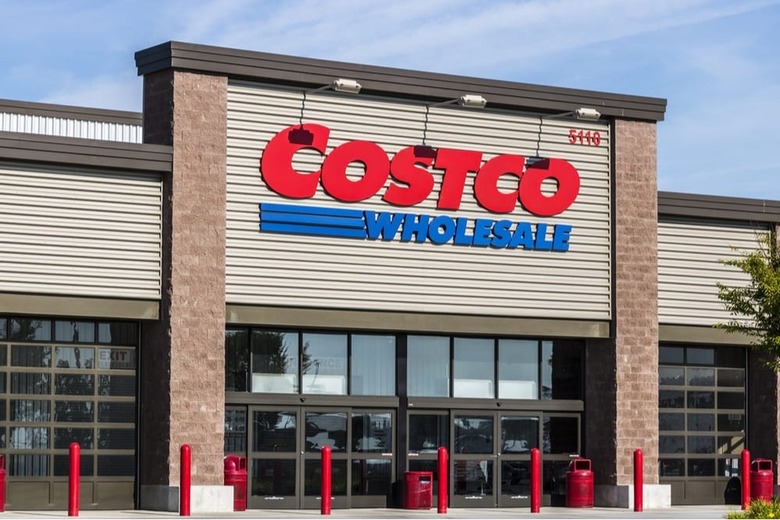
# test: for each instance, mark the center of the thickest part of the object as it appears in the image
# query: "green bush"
(759, 509)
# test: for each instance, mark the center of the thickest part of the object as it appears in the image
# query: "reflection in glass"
(473, 477)
(74, 357)
(473, 367)
(116, 358)
(30, 356)
(236, 360)
(428, 366)
(701, 376)
(30, 383)
(671, 422)
(671, 376)
(313, 477)
(274, 431)
(3, 329)
(116, 386)
(28, 465)
(701, 356)
(474, 434)
(562, 369)
(672, 467)
(325, 364)
(519, 434)
(671, 444)
(273, 477)
(22, 329)
(728, 468)
(701, 467)
(74, 331)
(76, 411)
(671, 355)
(671, 399)
(326, 429)
(372, 432)
(28, 410)
(518, 369)
(116, 412)
(701, 399)
(701, 422)
(371, 477)
(516, 478)
(701, 444)
(235, 430)
(373, 365)
(731, 444)
(274, 362)
(561, 435)
(428, 432)
(731, 422)
(74, 384)
(116, 438)
(731, 377)
(25, 438)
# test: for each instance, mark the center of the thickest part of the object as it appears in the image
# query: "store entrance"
(491, 455)
(284, 466)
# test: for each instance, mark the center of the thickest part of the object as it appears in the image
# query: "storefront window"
(561, 434)
(518, 369)
(74, 331)
(428, 366)
(561, 370)
(428, 432)
(274, 362)
(325, 364)
(236, 360)
(373, 365)
(473, 367)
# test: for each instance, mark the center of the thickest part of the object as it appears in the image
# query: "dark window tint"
(474, 434)
(701, 445)
(671, 399)
(701, 399)
(3, 328)
(118, 333)
(74, 411)
(74, 384)
(116, 438)
(671, 421)
(313, 477)
(63, 437)
(62, 465)
(116, 386)
(116, 412)
(701, 356)
(733, 400)
(561, 435)
(701, 467)
(116, 465)
(701, 422)
(273, 477)
(235, 430)
(30, 383)
(671, 444)
(561, 369)
(236, 360)
(731, 422)
(274, 431)
(672, 467)
(428, 432)
(731, 377)
(30, 356)
(671, 356)
(372, 477)
(730, 357)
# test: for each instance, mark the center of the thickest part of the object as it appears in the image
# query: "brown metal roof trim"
(718, 207)
(427, 86)
(71, 112)
(85, 152)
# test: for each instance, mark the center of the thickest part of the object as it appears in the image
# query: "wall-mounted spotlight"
(587, 114)
(349, 86)
(581, 114)
(466, 100)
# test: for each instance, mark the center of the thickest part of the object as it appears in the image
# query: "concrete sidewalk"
(677, 512)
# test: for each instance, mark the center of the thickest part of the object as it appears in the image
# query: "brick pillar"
(622, 390)
(182, 368)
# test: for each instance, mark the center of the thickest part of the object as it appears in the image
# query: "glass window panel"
(74, 331)
(729, 468)
(2, 382)
(701, 399)
(312, 484)
(474, 368)
(671, 399)
(562, 369)
(701, 422)
(235, 430)
(3, 328)
(28, 465)
(118, 333)
(116, 438)
(428, 432)
(29, 438)
(473, 477)
(273, 477)
(561, 435)
(22, 329)
(701, 445)
(672, 467)
(274, 431)
(325, 364)
(326, 429)
(730, 357)
(671, 355)
(671, 444)
(671, 422)
(75, 411)
(554, 477)
(701, 376)
(519, 434)
(28, 410)
(518, 369)
(62, 465)
(63, 437)
(116, 465)
(122, 412)
(274, 362)
(2, 434)
(372, 432)
(474, 434)
(733, 400)
(116, 358)
(116, 386)
(701, 467)
(236, 360)
(74, 384)
(731, 377)
(2, 409)
(31, 356)
(372, 477)
(373, 365)
(74, 357)
(671, 376)
(3, 355)
(700, 356)
(516, 478)
(731, 443)
(30, 383)
(731, 422)
(428, 366)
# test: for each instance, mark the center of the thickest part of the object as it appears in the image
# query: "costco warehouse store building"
(282, 254)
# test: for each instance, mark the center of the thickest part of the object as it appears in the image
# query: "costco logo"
(410, 183)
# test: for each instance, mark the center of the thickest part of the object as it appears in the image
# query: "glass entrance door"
(285, 469)
(491, 458)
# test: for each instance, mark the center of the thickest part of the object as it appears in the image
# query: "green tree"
(755, 308)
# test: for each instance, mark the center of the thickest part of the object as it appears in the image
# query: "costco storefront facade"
(302, 253)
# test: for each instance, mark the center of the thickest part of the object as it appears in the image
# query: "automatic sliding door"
(273, 459)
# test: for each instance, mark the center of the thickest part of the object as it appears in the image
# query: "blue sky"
(717, 62)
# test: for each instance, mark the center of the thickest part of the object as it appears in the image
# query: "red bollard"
(326, 481)
(638, 481)
(2, 483)
(536, 480)
(745, 479)
(441, 505)
(73, 479)
(185, 480)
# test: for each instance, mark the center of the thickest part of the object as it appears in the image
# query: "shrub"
(759, 509)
